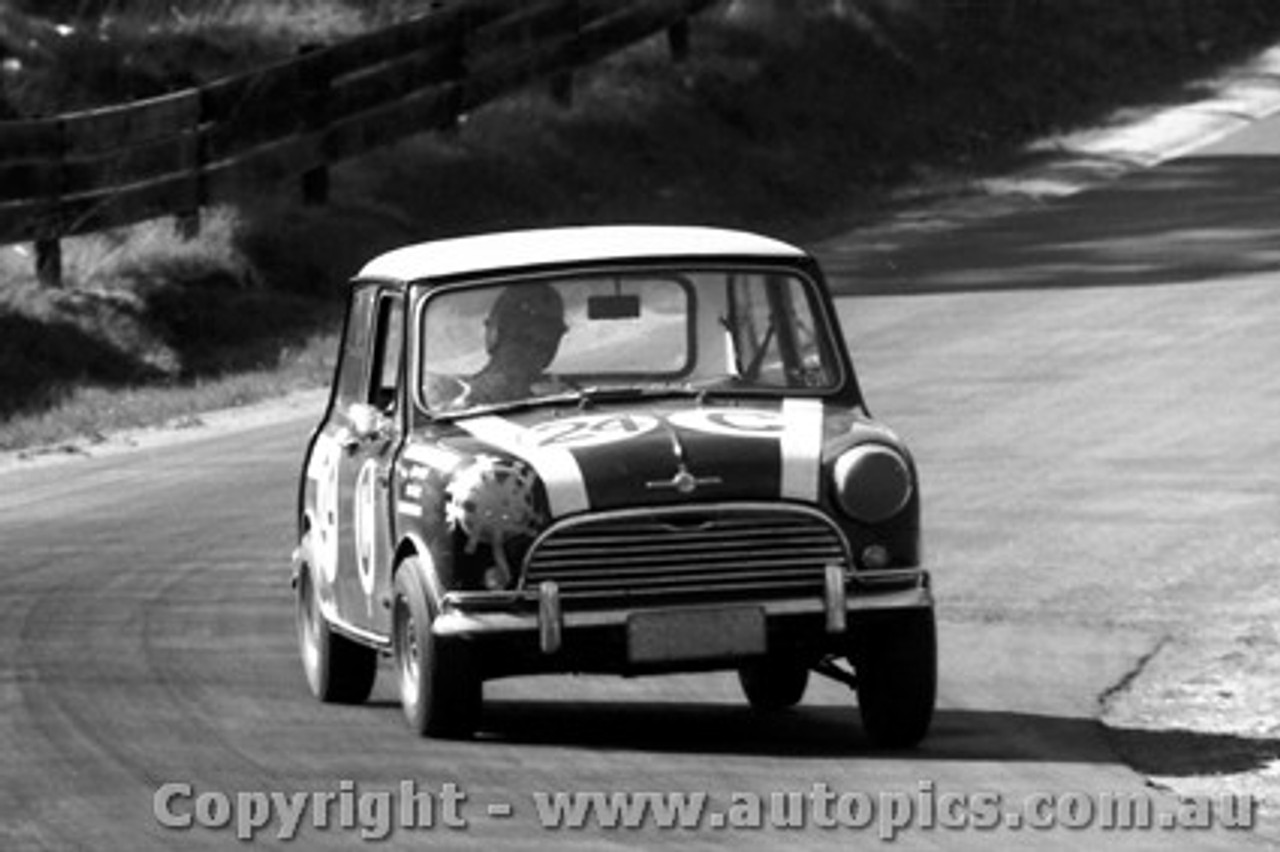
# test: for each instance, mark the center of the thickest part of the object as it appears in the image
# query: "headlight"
(872, 482)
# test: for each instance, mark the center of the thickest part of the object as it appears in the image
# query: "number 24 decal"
(592, 430)
(599, 429)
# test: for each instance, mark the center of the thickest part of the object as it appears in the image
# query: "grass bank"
(792, 134)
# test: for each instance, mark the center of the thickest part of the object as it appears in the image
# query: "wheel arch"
(412, 546)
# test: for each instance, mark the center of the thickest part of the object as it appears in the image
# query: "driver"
(522, 335)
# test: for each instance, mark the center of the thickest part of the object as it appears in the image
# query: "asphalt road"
(1091, 392)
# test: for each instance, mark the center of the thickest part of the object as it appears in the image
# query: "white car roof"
(515, 249)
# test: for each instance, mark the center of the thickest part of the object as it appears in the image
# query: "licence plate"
(695, 634)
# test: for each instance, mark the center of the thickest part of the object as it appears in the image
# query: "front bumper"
(537, 632)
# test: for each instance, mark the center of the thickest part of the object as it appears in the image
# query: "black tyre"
(895, 658)
(774, 683)
(439, 691)
(339, 671)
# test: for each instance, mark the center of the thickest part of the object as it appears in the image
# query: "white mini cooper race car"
(632, 450)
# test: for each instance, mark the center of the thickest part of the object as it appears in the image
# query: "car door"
(369, 436)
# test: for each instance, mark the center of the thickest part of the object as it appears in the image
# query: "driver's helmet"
(524, 310)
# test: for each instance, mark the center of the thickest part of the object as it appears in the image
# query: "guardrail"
(172, 155)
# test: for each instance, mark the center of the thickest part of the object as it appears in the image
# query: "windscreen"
(749, 330)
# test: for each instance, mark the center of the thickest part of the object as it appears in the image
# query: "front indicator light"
(873, 483)
(875, 557)
(497, 578)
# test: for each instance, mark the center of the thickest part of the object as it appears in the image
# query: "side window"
(384, 377)
(355, 348)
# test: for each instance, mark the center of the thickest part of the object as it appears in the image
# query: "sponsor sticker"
(365, 523)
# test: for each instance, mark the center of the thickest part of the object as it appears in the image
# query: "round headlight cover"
(873, 482)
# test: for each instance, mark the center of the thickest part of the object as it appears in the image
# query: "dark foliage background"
(797, 129)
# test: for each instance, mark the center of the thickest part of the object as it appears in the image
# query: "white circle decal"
(592, 430)
(733, 422)
(324, 470)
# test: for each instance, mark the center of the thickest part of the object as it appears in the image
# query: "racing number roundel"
(324, 471)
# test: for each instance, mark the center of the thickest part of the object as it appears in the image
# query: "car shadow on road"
(1183, 753)
(826, 731)
(1191, 220)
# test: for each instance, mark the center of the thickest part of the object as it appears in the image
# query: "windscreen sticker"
(433, 457)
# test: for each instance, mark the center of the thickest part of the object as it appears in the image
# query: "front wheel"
(439, 692)
(895, 659)
(338, 670)
(773, 683)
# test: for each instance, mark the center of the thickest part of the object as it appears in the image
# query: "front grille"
(742, 551)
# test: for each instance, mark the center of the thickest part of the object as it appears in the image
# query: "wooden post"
(315, 186)
(678, 41)
(562, 89)
(49, 262)
(48, 244)
(187, 222)
(1188, 26)
(315, 181)
(457, 76)
(561, 85)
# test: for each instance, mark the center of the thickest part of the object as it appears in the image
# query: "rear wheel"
(773, 683)
(439, 691)
(339, 671)
(895, 658)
